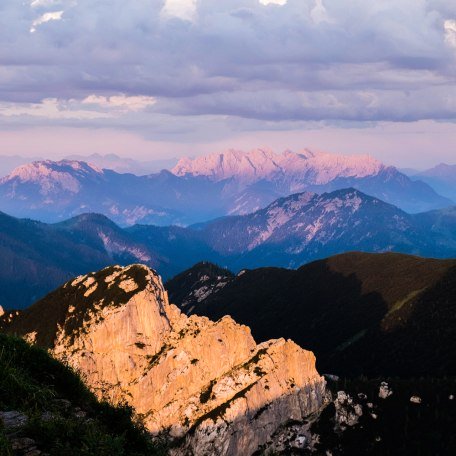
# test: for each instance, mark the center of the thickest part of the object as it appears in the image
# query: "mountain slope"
(37, 257)
(126, 165)
(53, 191)
(442, 177)
(305, 226)
(46, 409)
(197, 283)
(207, 384)
(289, 172)
(383, 314)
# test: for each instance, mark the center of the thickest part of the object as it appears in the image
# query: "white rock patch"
(128, 285)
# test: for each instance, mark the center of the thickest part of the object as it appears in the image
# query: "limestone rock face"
(208, 384)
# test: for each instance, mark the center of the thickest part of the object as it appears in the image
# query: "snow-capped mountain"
(287, 173)
(52, 178)
(306, 226)
(305, 168)
(10, 162)
(202, 189)
(53, 191)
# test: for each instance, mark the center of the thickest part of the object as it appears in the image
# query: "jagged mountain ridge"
(208, 187)
(289, 172)
(54, 191)
(371, 314)
(307, 167)
(37, 257)
(206, 383)
(307, 226)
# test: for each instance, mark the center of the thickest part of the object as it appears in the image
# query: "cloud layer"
(162, 66)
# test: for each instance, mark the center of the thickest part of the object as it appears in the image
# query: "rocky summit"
(206, 384)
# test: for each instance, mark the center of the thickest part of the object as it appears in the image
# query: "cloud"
(242, 62)
(182, 9)
(43, 3)
(319, 13)
(49, 108)
(46, 17)
(122, 102)
(273, 2)
(450, 32)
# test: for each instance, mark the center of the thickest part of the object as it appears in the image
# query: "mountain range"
(194, 191)
(54, 191)
(37, 257)
(209, 383)
(307, 226)
(289, 172)
(361, 314)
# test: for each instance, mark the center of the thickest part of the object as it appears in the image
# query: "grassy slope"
(33, 383)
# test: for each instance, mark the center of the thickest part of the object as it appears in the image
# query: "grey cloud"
(364, 61)
(368, 105)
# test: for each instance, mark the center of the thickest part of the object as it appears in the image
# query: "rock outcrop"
(207, 384)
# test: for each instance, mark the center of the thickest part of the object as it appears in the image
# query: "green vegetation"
(5, 447)
(65, 419)
(154, 359)
(255, 359)
(207, 393)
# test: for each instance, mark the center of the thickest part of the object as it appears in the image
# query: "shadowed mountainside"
(373, 314)
(36, 257)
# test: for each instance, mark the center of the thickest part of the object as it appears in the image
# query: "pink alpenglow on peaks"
(317, 168)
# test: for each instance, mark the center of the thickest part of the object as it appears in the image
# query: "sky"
(162, 78)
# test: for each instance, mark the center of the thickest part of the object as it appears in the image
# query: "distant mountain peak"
(196, 190)
(257, 164)
(441, 170)
(46, 167)
(88, 217)
(53, 176)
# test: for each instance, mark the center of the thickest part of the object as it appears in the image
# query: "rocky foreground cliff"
(206, 384)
